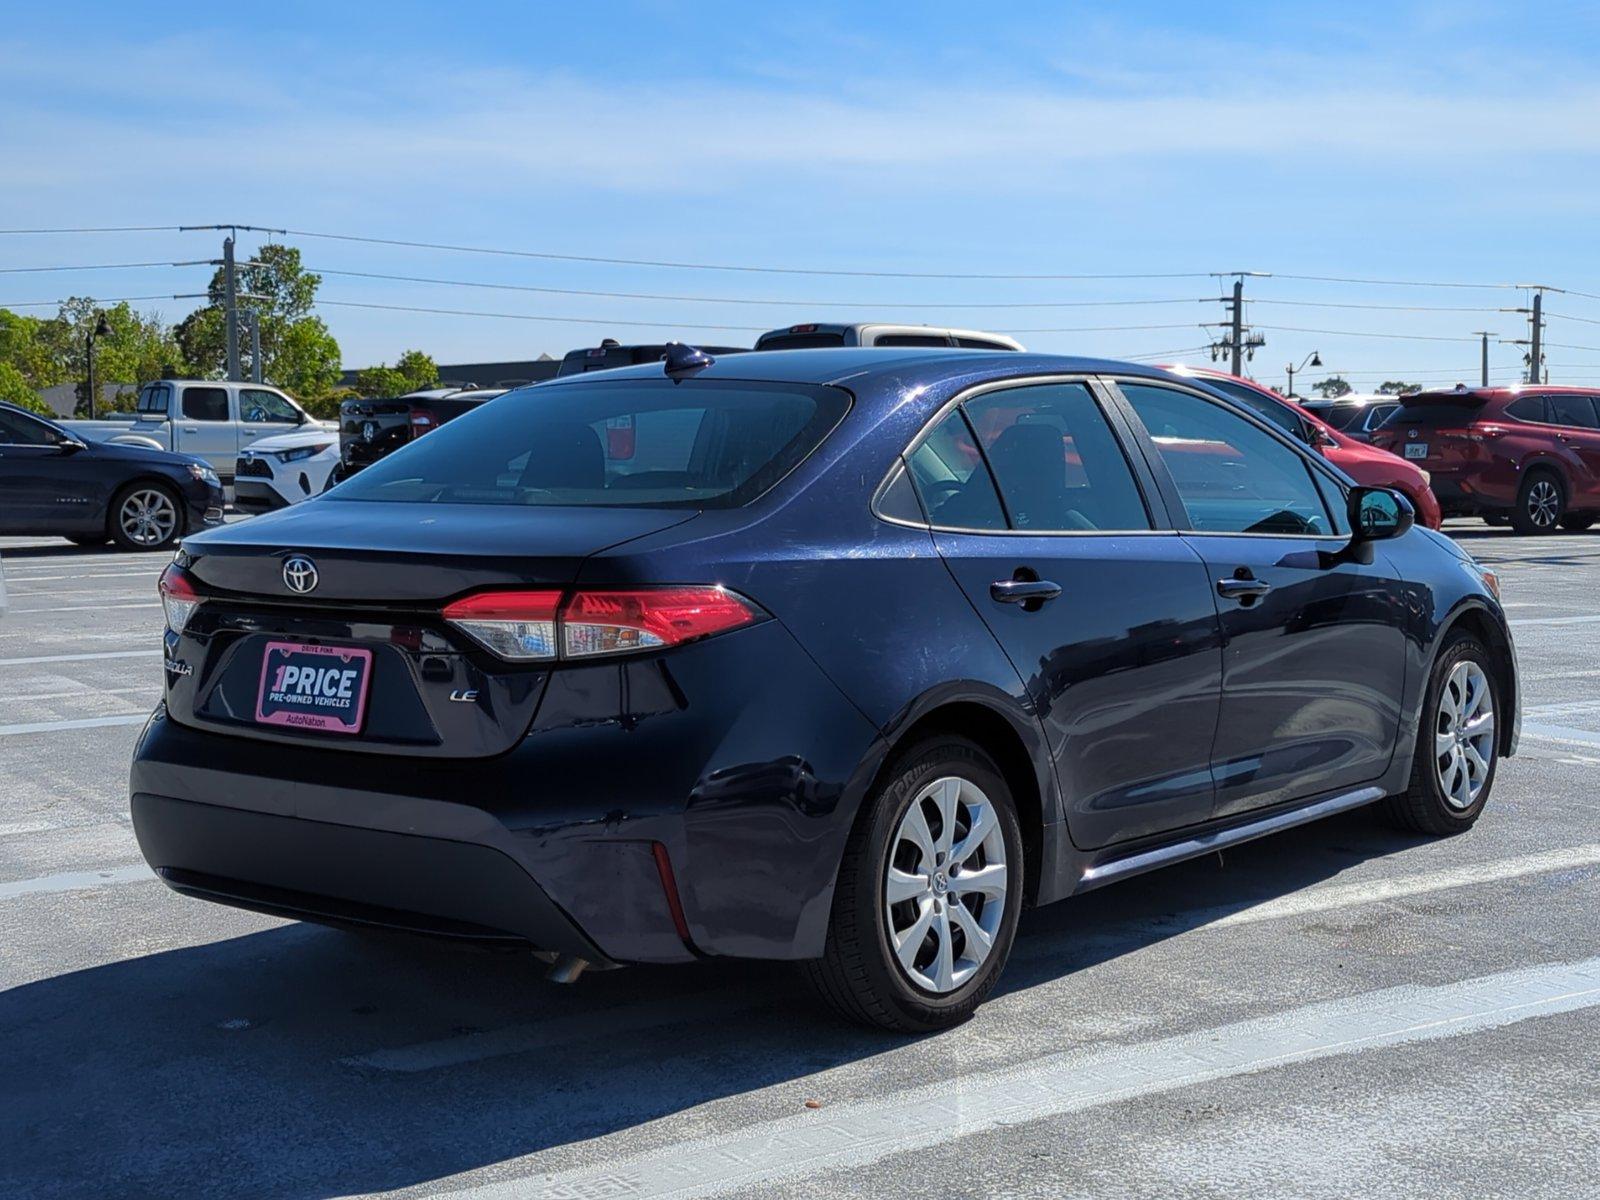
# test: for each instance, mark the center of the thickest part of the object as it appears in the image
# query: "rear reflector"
(179, 598)
(518, 626)
(538, 626)
(421, 421)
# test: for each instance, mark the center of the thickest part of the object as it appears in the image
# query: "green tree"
(138, 348)
(381, 381)
(1332, 387)
(15, 389)
(419, 369)
(26, 346)
(297, 350)
(1397, 387)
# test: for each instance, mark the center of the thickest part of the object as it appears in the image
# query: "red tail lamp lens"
(595, 623)
(179, 598)
(519, 626)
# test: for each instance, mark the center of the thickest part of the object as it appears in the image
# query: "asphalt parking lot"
(1336, 1011)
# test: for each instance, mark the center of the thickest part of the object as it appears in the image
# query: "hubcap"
(1544, 502)
(945, 888)
(1463, 744)
(148, 518)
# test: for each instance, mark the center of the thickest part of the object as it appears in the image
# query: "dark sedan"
(838, 656)
(56, 484)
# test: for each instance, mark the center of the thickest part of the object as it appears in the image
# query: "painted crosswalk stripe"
(77, 723)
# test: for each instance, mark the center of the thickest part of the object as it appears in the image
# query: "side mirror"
(1377, 514)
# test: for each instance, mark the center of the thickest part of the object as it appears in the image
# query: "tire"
(1541, 503)
(860, 975)
(1436, 802)
(163, 525)
(1579, 522)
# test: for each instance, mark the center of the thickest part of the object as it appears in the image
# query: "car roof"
(1504, 393)
(862, 365)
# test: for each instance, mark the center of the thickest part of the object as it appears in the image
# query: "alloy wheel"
(1463, 744)
(148, 517)
(945, 885)
(1544, 503)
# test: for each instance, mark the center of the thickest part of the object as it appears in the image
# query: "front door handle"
(1242, 589)
(1020, 591)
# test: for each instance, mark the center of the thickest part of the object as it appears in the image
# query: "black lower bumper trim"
(349, 875)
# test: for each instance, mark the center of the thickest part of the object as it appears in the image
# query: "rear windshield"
(629, 443)
(800, 341)
(1447, 415)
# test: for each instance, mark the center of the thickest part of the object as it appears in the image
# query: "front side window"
(1231, 476)
(1058, 464)
(629, 443)
(1576, 411)
(18, 429)
(205, 404)
(950, 476)
(260, 407)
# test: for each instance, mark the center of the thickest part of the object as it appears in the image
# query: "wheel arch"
(148, 477)
(1476, 619)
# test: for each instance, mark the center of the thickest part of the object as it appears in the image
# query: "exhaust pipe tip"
(567, 968)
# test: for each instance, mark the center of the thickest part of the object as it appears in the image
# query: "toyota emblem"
(299, 574)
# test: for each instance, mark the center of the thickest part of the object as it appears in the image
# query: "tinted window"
(205, 404)
(1444, 416)
(952, 480)
(1336, 499)
(972, 343)
(1377, 415)
(1342, 416)
(911, 339)
(1572, 410)
(799, 341)
(155, 398)
(636, 443)
(1281, 415)
(1057, 462)
(1232, 477)
(1527, 408)
(17, 429)
(260, 407)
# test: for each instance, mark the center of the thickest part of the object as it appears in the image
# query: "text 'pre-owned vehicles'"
(838, 656)
(1530, 454)
(1365, 464)
(208, 419)
(55, 484)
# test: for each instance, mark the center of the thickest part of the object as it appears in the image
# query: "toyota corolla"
(835, 656)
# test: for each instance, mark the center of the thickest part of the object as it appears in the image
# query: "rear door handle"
(1242, 589)
(1020, 591)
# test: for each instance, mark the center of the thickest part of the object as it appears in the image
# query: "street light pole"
(100, 329)
(1314, 358)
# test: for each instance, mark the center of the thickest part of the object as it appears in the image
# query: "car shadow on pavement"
(307, 1062)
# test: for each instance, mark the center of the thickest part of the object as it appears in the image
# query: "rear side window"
(630, 443)
(155, 398)
(205, 404)
(1231, 476)
(1059, 466)
(952, 480)
(1441, 416)
(1572, 410)
(1528, 408)
(800, 341)
(1377, 415)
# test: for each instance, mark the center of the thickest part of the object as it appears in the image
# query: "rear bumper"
(256, 495)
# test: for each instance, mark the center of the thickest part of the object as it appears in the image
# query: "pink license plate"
(314, 687)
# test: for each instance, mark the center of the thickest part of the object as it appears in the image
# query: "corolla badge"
(299, 574)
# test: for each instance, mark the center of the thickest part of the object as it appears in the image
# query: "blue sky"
(1448, 142)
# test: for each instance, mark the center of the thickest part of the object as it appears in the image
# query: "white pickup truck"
(210, 419)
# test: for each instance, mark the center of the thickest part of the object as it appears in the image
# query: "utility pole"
(1240, 343)
(230, 303)
(1535, 328)
(1485, 334)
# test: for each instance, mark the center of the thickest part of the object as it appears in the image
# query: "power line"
(101, 229)
(1393, 282)
(524, 287)
(460, 312)
(1379, 307)
(198, 262)
(104, 300)
(1403, 337)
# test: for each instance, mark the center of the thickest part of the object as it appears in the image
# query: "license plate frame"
(1416, 449)
(285, 701)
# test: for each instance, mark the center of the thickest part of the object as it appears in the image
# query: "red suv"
(1366, 465)
(1528, 454)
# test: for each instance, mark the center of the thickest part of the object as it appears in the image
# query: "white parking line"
(858, 1134)
(76, 723)
(1560, 733)
(1519, 623)
(55, 608)
(75, 881)
(55, 658)
(81, 692)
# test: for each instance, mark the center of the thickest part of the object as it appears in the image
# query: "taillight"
(1483, 433)
(519, 626)
(179, 598)
(539, 626)
(421, 421)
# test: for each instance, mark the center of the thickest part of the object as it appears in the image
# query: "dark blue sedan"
(839, 656)
(53, 483)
